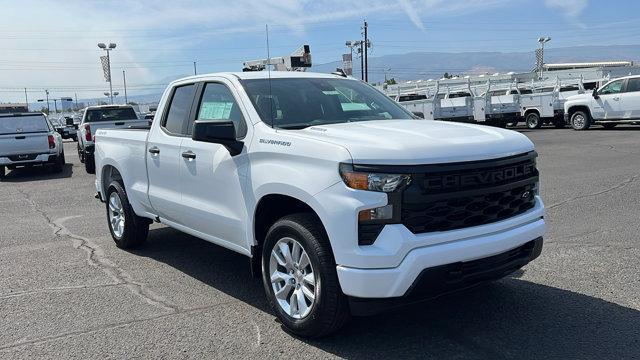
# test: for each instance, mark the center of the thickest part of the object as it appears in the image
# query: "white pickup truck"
(28, 139)
(102, 117)
(616, 102)
(344, 202)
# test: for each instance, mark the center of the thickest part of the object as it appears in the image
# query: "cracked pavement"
(66, 291)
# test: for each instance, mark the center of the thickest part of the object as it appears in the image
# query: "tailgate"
(29, 143)
(122, 124)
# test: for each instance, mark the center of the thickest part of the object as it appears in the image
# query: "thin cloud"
(571, 8)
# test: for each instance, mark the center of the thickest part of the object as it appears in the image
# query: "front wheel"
(80, 153)
(300, 279)
(580, 120)
(127, 229)
(533, 121)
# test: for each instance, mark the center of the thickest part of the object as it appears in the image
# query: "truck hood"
(409, 142)
(579, 97)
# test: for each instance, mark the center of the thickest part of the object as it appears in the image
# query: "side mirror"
(595, 94)
(217, 132)
(418, 114)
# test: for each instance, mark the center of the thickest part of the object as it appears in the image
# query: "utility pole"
(48, 109)
(55, 105)
(124, 77)
(195, 71)
(361, 51)
(26, 98)
(366, 46)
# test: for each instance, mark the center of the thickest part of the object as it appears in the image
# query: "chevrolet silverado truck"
(28, 139)
(616, 102)
(344, 202)
(102, 117)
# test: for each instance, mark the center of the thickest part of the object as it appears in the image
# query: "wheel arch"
(574, 108)
(269, 208)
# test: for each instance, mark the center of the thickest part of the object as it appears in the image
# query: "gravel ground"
(66, 291)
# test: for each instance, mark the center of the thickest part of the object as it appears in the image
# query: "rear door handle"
(20, 137)
(154, 150)
(189, 154)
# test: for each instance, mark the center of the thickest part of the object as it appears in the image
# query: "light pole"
(42, 100)
(107, 49)
(540, 56)
(111, 95)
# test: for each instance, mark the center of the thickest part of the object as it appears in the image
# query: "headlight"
(372, 181)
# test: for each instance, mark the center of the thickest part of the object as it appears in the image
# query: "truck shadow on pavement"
(511, 318)
(36, 173)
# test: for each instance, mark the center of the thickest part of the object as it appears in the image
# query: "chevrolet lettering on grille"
(479, 178)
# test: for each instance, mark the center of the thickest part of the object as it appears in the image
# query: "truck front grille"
(459, 195)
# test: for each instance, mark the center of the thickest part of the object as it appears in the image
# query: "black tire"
(90, 164)
(80, 154)
(533, 121)
(75, 138)
(136, 229)
(580, 120)
(330, 311)
(58, 166)
(2, 172)
(609, 126)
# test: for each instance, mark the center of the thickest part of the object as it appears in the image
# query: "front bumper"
(396, 281)
(445, 279)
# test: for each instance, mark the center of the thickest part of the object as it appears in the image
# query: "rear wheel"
(58, 166)
(300, 279)
(89, 164)
(80, 153)
(127, 229)
(580, 120)
(609, 126)
(533, 120)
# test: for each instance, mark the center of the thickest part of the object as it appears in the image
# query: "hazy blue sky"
(53, 44)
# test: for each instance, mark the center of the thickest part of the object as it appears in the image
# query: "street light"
(540, 56)
(42, 100)
(107, 49)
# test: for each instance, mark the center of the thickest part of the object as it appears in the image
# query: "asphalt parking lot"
(67, 291)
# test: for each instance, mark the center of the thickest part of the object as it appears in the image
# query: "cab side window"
(633, 84)
(218, 103)
(179, 109)
(612, 88)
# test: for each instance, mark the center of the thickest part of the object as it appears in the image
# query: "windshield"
(107, 114)
(301, 102)
(23, 124)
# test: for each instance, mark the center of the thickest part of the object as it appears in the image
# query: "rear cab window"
(176, 120)
(110, 114)
(23, 124)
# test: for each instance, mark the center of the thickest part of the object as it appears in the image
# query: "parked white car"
(28, 139)
(102, 117)
(344, 202)
(616, 102)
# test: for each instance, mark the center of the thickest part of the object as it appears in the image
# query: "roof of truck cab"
(107, 107)
(262, 75)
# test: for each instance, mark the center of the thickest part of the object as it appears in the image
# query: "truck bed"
(127, 148)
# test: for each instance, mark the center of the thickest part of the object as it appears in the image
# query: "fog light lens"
(380, 213)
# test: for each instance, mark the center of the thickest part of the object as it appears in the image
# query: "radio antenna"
(266, 26)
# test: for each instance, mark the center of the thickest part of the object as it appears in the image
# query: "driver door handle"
(154, 150)
(189, 155)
